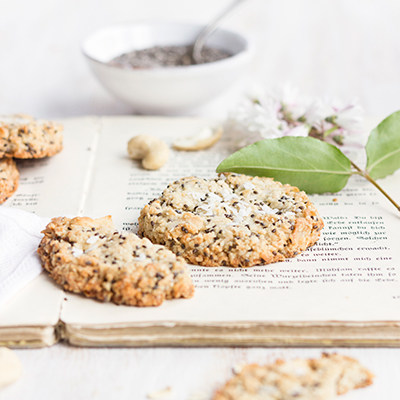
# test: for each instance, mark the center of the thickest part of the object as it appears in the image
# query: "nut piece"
(160, 394)
(206, 138)
(153, 152)
(10, 367)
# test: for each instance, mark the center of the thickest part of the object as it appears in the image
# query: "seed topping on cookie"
(318, 379)
(26, 137)
(232, 220)
(90, 257)
(9, 178)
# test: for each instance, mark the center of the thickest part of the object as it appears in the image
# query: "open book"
(342, 291)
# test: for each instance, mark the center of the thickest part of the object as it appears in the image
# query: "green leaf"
(310, 164)
(383, 148)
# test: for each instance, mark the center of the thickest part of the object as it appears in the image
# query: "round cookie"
(9, 178)
(233, 220)
(90, 257)
(26, 137)
(318, 379)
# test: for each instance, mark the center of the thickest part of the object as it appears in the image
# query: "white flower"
(289, 97)
(286, 113)
(300, 130)
(256, 93)
(338, 105)
(250, 118)
(318, 111)
(350, 118)
(265, 121)
(287, 94)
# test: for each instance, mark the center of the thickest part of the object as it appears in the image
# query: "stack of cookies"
(24, 137)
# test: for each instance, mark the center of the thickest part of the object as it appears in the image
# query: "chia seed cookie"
(9, 178)
(233, 220)
(89, 256)
(26, 137)
(312, 379)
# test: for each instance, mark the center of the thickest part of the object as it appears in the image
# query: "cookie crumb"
(160, 394)
(237, 369)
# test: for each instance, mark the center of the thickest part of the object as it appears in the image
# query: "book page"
(51, 187)
(54, 186)
(351, 274)
(121, 187)
(38, 303)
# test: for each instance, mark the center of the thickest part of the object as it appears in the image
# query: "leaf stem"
(357, 168)
(368, 178)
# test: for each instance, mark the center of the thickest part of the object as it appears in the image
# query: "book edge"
(30, 336)
(334, 334)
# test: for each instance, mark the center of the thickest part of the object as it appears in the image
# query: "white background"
(343, 48)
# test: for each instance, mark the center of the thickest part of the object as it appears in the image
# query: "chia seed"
(166, 56)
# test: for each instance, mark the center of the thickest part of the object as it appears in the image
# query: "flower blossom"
(350, 118)
(286, 113)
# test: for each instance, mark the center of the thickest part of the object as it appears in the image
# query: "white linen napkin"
(19, 239)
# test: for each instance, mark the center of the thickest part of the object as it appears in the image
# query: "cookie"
(26, 137)
(89, 256)
(9, 177)
(233, 220)
(312, 379)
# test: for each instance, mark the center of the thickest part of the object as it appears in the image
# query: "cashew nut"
(153, 152)
(206, 138)
(10, 367)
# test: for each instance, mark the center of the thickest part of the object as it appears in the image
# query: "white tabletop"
(327, 48)
(63, 372)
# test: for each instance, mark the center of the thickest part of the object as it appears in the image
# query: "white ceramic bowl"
(165, 90)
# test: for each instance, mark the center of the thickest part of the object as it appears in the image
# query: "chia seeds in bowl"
(165, 90)
(166, 56)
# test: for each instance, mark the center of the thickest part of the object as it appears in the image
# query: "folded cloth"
(19, 239)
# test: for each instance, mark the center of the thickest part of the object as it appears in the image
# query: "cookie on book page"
(26, 137)
(89, 256)
(232, 220)
(309, 379)
(9, 177)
